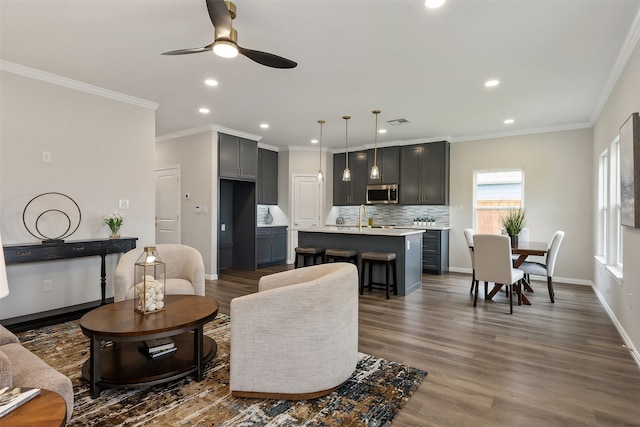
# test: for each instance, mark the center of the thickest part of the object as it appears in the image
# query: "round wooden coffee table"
(123, 365)
(47, 409)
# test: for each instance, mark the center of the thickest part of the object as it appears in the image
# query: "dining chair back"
(493, 263)
(524, 234)
(539, 269)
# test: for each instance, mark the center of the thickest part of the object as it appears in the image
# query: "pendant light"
(320, 174)
(375, 173)
(346, 174)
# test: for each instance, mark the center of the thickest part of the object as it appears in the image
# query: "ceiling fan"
(225, 43)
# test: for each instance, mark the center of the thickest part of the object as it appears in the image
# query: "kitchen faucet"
(360, 209)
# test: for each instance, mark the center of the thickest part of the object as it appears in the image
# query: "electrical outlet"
(630, 300)
(47, 286)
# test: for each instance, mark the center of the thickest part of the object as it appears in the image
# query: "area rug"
(373, 395)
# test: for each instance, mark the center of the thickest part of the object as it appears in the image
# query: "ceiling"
(555, 60)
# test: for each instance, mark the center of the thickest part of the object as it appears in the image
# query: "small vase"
(514, 240)
(115, 233)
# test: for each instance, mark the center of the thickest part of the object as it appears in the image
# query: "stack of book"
(11, 398)
(158, 347)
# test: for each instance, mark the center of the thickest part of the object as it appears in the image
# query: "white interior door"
(305, 207)
(168, 205)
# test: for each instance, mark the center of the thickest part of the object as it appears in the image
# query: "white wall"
(102, 151)
(196, 154)
(558, 194)
(621, 298)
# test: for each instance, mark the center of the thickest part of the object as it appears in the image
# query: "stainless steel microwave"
(384, 194)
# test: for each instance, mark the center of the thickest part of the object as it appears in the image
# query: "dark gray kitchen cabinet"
(435, 251)
(238, 158)
(267, 177)
(352, 192)
(271, 246)
(424, 174)
(388, 161)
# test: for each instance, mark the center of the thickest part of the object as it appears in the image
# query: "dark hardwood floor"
(559, 364)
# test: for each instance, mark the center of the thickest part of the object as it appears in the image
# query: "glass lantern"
(149, 278)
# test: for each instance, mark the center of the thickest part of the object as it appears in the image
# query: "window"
(616, 241)
(494, 193)
(603, 204)
(609, 209)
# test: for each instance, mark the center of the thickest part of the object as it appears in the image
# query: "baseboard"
(625, 337)
(50, 317)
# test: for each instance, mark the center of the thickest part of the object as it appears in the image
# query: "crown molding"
(560, 128)
(621, 61)
(55, 79)
(208, 128)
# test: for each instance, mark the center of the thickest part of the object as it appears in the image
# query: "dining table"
(524, 249)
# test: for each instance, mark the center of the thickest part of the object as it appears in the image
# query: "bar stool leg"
(362, 274)
(386, 267)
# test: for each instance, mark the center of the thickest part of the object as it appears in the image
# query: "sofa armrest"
(7, 337)
(5, 370)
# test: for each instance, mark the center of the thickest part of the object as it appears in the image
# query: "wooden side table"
(46, 410)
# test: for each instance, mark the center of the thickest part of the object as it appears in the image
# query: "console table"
(37, 252)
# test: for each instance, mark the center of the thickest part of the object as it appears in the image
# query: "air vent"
(397, 122)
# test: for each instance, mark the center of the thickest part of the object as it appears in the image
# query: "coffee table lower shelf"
(123, 365)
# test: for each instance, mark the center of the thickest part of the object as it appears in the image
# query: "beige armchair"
(184, 271)
(297, 338)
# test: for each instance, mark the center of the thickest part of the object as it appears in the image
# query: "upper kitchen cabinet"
(424, 174)
(238, 158)
(388, 161)
(267, 177)
(352, 192)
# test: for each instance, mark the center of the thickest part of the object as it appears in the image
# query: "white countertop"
(393, 232)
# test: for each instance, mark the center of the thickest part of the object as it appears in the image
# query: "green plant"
(513, 221)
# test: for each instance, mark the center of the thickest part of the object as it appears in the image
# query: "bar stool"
(344, 255)
(308, 253)
(388, 259)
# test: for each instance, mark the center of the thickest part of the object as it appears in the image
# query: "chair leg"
(473, 280)
(519, 289)
(552, 294)
(510, 290)
(475, 294)
(486, 289)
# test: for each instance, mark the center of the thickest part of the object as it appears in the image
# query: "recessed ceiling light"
(211, 82)
(432, 4)
(314, 141)
(492, 83)
(204, 110)
(264, 125)
(508, 121)
(382, 131)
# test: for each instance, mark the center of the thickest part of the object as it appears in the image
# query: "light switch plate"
(123, 204)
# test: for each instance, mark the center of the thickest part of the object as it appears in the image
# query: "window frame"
(477, 208)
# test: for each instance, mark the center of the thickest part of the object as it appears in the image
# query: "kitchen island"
(407, 245)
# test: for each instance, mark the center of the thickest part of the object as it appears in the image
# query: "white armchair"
(297, 338)
(184, 271)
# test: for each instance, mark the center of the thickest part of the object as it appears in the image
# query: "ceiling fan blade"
(187, 51)
(268, 59)
(220, 17)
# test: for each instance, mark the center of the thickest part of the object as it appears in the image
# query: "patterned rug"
(373, 395)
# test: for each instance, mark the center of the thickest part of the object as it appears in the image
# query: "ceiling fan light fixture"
(225, 48)
(433, 4)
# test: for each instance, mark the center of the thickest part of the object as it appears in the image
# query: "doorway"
(168, 205)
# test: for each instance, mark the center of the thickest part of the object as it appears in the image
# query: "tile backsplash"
(381, 214)
(396, 215)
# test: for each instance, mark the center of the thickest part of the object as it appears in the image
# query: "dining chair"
(492, 253)
(468, 235)
(539, 269)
